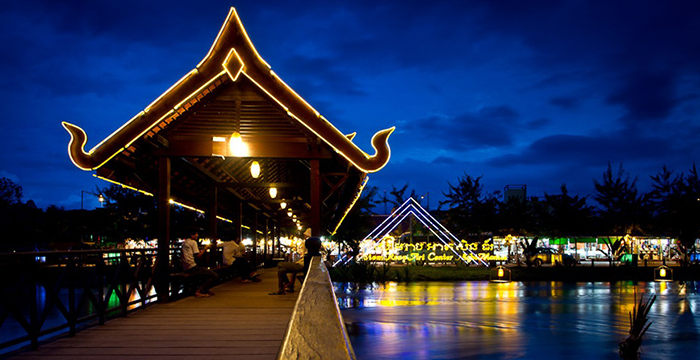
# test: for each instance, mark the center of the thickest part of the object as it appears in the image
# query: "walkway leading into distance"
(240, 322)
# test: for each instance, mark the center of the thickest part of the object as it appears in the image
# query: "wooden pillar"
(276, 240)
(163, 260)
(315, 198)
(239, 222)
(267, 229)
(213, 204)
(254, 230)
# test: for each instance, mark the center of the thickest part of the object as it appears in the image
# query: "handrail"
(316, 329)
(52, 292)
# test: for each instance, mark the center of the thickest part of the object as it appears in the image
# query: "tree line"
(617, 208)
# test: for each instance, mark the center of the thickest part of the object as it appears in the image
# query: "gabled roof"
(233, 90)
(233, 55)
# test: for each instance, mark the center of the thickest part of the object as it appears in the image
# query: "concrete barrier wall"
(316, 329)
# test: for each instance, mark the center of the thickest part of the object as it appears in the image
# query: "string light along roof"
(231, 55)
(234, 91)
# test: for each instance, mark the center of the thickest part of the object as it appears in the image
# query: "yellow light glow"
(352, 204)
(255, 169)
(283, 205)
(122, 185)
(500, 272)
(273, 192)
(662, 272)
(236, 145)
(232, 58)
(289, 213)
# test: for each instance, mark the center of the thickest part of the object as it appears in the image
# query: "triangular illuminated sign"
(412, 207)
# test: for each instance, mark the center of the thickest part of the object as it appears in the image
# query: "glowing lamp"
(273, 192)
(663, 273)
(283, 205)
(236, 146)
(255, 169)
(500, 274)
(289, 213)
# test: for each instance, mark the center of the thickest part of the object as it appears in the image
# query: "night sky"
(522, 92)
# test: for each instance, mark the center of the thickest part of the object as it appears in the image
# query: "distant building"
(518, 192)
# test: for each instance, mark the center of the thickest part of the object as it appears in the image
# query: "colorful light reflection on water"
(531, 320)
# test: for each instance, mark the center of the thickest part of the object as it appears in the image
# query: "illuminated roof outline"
(412, 207)
(232, 55)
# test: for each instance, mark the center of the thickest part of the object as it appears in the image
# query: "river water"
(517, 320)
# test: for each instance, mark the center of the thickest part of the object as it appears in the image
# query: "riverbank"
(544, 273)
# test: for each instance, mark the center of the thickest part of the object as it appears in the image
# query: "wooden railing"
(46, 293)
(316, 329)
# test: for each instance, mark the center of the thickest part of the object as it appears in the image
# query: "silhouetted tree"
(675, 202)
(515, 217)
(565, 215)
(400, 195)
(10, 193)
(470, 211)
(621, 209)
(130, 213)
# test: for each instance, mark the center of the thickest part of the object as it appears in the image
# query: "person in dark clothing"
(313, 248)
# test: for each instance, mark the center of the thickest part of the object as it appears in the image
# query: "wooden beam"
(256, 149)
(238, 185)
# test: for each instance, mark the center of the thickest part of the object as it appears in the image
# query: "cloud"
(586, 151)
(645, 96)
(487, 127)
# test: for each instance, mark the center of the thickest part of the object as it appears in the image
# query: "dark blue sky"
(522, 92)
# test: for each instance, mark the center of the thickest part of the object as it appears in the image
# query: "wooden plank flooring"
(240, 322)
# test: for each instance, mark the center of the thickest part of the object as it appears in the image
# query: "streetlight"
(428, 196)
(100, 197)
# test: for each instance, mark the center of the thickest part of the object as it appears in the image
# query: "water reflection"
(533, 320)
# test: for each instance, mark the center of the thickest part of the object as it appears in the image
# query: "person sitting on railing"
(189, 265)
(285, 284)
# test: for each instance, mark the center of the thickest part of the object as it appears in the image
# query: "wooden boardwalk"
(240, 322)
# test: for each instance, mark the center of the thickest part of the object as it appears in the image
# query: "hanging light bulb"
(283, 205)
(236, 146)
(273, 192)
(289, 213)
(255, 169)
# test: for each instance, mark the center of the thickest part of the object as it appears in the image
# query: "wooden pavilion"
(196, 143)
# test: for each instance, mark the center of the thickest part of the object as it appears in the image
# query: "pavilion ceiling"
(276, 141)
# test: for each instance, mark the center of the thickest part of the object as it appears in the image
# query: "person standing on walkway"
(190, 249)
